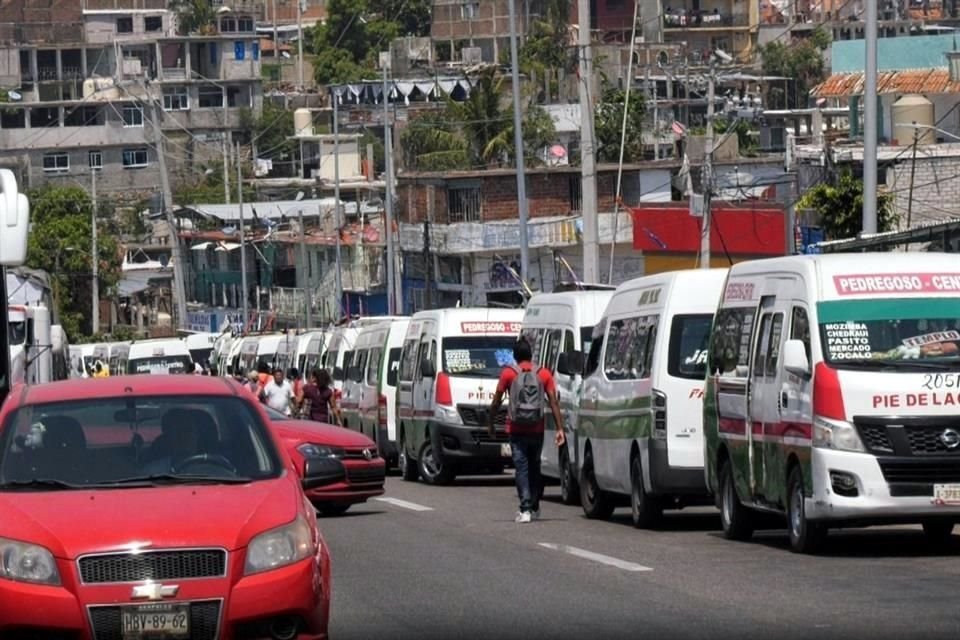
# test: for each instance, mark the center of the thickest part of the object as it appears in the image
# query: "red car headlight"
(27, 562)
(279, 547)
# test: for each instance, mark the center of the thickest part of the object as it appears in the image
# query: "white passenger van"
(119, 355)
(370, 392)
(200, 346)
(847, 370)
(449, 367)
(286, 355)
(559, 327)
(159, 356)
(640, 431)
(90, 355)
(339, 353)
(259, 349)
(310, 351)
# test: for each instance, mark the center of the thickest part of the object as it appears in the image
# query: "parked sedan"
(340, 467)
(153, 507)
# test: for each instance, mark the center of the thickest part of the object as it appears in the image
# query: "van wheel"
(432, 470)
(805, 536)
(938, 532)
(736, 519)
(597, 504)
(646, 510)
(569, 489)
(408, 467)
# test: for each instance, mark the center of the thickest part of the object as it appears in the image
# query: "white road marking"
(403, 504)
(596, 557)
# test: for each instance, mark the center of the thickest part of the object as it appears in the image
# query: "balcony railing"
(704, 20)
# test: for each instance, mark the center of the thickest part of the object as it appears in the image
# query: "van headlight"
(447, 415)
(25, 562)
(834, 434)
(279, 547)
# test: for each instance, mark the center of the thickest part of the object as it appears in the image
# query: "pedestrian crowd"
(291, 395)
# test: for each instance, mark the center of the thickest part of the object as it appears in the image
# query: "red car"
(340, 467)
(159, 507)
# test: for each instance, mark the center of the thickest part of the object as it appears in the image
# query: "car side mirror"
(321, 471)
(570, 363)
(795, 359)
(427, 370)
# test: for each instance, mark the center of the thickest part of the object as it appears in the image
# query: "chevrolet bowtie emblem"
(154, 591)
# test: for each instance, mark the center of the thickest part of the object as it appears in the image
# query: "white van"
(200, 346)
(559, 327)
(339, 351)
(220, 358)
(640, 429)
(119, 355)
(370, 392)
(90, 355)
(159, 356)
(286, 355)
(259, 349)
(311, 348)
(833, 395)
(449, 367)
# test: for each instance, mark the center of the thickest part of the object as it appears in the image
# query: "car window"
(393, 366)
(373, 366)
(120, 441)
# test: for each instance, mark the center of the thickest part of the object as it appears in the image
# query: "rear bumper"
(673, 481)
(462, 444)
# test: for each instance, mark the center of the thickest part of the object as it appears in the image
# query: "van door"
(369, 395)
(423, 387)
(763, 392)
(405, 380)
(550, 454)
(589, 397)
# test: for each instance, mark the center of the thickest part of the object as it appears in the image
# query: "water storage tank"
(303, 122)
(913, 109)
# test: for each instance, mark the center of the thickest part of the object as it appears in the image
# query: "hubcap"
(796, 512)
(727, 505)
(429, 463)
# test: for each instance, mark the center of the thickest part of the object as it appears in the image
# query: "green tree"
(801, 61)
(433, 142)
(840, 207)
(60, 243)
(546, 49)
(484, 121)
(194, 16)
(608, 126)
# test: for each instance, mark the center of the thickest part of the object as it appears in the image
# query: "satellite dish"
(164, 260)
(14, 95)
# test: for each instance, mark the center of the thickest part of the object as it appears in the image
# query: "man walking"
(278, 393)
(530, 389)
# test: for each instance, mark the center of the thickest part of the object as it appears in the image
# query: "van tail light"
(382, 410)
(827, 395)
(443, 395)
(659, 415)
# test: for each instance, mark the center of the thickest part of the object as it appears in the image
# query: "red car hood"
(314, 432)
(72, 523)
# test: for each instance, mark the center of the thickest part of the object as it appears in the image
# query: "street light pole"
(870, 120)
(518, 146)
(243, 245)
(392, 305)
(336, 202)
(300, 43)
(94, 258)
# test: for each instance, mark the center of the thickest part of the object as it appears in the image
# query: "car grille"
(875, 437)
(484, 437)
(926, 472)
(926, 440)
(357, 454)
(204, 621)
(474, 416)
(361, 475)
(907, 437)
(153, 565)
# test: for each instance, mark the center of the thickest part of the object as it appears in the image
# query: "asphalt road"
(449, 562)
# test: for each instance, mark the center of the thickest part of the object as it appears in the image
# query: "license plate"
(155, 621)
(946, 494)
(506, 451)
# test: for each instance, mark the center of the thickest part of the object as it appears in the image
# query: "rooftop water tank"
(302, 122)
(912, 109)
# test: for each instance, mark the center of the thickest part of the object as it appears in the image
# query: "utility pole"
(588, 170)
(913, 170)
(179, 273)
(300, 43)
(245, 292)
(392, 302)
(706, 175)
(518, 144)
(95, 257)
(870, 121)
(336, 202)
(656, 116)
(225, 144)
(307, 302)
(427, 297)
(276, 39)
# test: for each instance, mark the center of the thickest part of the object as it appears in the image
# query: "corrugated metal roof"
(841, 85)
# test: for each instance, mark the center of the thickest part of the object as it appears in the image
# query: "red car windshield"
(134, 441)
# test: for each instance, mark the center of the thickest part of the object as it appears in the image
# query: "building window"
(132, 115)
(56, 162)
(153, 23)
(228, 25)
(210, 97)
(463, 204)
(95, 159)
(245, 24)
(176, 99)
(576, 197)
(470, 10)
(134, 158)
(125, 25)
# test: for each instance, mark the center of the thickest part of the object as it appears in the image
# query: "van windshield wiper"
(158, 479)
(47, 484)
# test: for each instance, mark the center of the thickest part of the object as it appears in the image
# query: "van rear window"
(689, 337)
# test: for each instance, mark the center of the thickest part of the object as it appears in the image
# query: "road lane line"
(403, 504)
(595, 557)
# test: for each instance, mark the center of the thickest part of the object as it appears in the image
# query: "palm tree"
(194, 16)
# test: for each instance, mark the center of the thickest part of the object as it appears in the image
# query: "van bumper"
(877, 501)
(673, 481)
(461, 444)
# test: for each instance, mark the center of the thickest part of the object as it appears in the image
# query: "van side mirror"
(570, 363)
(14, 221)
(427, 370)
(795, 359)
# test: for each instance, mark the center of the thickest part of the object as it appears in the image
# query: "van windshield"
(479, 356)
(160, 364)
(689, 337)
(16, 332)
(921, 332)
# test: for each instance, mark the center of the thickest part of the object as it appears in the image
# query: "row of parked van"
(820, 388)
(157, 355)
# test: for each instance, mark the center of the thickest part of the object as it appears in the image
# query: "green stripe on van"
(888, 309)
(617, 420)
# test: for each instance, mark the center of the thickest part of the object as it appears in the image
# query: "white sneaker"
(522, 517)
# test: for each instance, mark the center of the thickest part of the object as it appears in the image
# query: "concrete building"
(90, 76)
